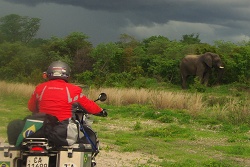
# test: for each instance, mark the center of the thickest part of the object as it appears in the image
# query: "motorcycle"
(40, 152)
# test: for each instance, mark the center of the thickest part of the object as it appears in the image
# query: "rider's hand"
(103, 113)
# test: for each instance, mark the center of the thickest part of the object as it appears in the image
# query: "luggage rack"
(29, 142)
(40, 141)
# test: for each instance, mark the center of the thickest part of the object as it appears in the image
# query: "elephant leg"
(205, 79)
(184, 82)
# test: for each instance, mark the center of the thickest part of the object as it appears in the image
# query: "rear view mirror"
(102, 97)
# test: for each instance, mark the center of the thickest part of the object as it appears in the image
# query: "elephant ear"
(207, 58)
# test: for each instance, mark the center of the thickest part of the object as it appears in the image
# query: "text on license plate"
(37, 161)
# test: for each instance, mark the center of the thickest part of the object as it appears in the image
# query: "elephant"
(200, 66)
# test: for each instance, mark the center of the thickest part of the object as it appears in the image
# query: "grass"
(179, 143)
(214, 132)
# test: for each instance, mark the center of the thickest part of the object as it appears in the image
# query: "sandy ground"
(116, 159)
(111, 158)
(124, 159)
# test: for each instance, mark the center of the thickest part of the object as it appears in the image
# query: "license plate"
(37, 161)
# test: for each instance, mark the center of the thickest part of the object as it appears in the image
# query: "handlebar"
(76, 107)
(103, 113)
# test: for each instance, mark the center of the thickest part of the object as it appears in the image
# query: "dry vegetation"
(158, 99)
(193, 103)
(16, 88)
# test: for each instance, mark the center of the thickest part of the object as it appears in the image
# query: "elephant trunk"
(220, 75)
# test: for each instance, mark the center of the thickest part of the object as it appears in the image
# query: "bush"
(197, 86)
(143, 82)
(86, 77)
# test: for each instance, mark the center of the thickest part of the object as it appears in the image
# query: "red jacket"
(55, 97)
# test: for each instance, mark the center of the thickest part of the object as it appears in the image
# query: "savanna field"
(152, 122)
(148, 127)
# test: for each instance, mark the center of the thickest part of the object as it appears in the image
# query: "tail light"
(38, 149)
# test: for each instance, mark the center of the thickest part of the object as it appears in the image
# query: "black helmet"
(58, 70)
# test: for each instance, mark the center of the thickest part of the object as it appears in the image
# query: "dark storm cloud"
(212, 19)
(161, 11)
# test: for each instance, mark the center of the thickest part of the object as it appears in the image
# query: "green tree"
(155, 48)
(15, 28)
(75, 42)
(128, 44)
(156, 44)
(79, 50)
(18, 62)
(127, 41)
(108, 60)
(74, 49)
(191, 38)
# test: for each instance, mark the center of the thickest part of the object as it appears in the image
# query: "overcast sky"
(105, 20)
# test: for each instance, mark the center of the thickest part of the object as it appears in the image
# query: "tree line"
(153, 61)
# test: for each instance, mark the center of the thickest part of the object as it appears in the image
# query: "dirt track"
(127, 159)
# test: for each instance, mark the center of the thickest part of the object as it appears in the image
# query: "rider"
(56, 97)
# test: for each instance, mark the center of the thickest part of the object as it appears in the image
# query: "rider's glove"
(103, 113)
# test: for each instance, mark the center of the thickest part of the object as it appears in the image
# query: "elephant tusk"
(221, 67)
